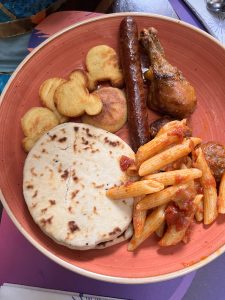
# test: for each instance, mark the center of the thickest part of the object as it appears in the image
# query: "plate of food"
(112, 148)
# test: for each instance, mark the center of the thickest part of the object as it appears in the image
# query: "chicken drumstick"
(170, 93)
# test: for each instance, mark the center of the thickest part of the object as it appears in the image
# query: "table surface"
(21, 263)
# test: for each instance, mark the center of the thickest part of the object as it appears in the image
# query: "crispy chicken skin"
(170, 93)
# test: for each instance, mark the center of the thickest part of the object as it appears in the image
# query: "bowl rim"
(97, 276)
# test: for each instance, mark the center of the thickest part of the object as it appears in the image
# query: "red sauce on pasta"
(179, 215)
(125, 162)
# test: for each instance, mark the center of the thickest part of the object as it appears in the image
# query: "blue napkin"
(214, 23)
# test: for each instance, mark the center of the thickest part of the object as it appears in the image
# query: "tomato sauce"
(125, 162)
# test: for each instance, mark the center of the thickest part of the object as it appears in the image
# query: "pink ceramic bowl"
(202, 60)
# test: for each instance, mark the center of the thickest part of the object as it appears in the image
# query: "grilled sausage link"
(136, 102)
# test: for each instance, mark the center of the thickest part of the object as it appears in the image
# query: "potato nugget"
(35, 123)
(46, 93)
(114, 112)
(103, 64)
(73, 99)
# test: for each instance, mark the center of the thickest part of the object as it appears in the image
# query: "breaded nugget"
(103, 64)
(73, 99)
(46, 93)
(35, 123)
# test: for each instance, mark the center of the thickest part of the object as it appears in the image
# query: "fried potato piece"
(35, 123)
(73, 99)
(46, 93)
(103, 64)
(114, 112)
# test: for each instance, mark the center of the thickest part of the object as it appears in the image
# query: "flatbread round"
(66, 175)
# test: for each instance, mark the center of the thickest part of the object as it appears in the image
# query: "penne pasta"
(139, 217)
(198, 201)
(172, 236)
(132, 170)
(153, 221)
(160, 231)
(173, 135)
(134, 189)
(170, 125)
(175, 177)
(162, 197)
(168, 156)
(221, 201)
(209, 188)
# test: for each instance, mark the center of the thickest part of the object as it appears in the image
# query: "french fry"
(160, 142)
(209, 188)
(162, 197)
(153, 221)
(175, 177)
(160, 231)
(221, 201)
(174, 236)
(199, 207)
(134, 189)
(139, 217)
(168, 156)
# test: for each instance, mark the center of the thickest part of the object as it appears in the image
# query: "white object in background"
(160, 7)
(213, 22)
(21, 292)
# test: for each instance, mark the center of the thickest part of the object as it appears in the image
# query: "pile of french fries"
(155, 187)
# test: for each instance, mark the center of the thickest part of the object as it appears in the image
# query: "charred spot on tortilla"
(63, 130)
(88, 132)
(73, 226)
(33, 205)
(95, 150)
(70, 209)
(43, 210)
(44, 222)
(60, 168)
(65, 174)
(62, 140)
(75, 179)
(52, 202)
(76, 128)
(33, 172)
(111, 143)
(84, 142)
(29, 186)
(74, 193)
(35, 194)
(43, 150)
(52, 137)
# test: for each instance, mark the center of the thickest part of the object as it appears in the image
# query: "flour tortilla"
(66, 175)
(123, 237)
